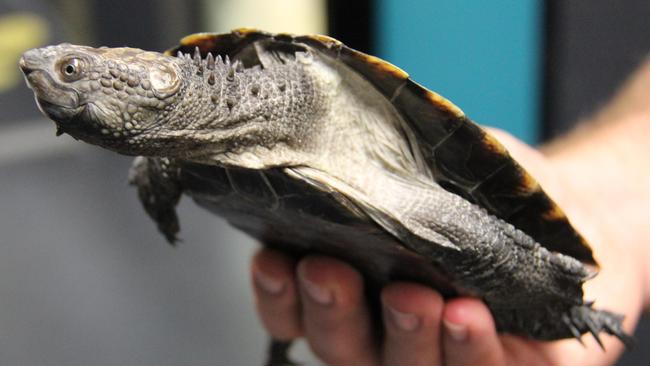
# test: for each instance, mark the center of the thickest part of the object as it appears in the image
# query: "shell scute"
(441, 122)
(466, 160)
(383, 75)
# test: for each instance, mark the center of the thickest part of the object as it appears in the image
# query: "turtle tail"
(582, 319)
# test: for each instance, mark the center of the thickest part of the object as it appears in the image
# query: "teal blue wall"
(482, 55)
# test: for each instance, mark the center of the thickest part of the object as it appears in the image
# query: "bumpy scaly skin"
(297, 114)
(144, 103)
(225, 110)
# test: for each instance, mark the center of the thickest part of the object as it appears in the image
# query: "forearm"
(605, 163)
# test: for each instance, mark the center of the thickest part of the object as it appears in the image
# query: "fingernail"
(404, 321)
(267, 283)
(318, 293)
(457, 332)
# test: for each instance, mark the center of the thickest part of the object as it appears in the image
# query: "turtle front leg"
(159, 190)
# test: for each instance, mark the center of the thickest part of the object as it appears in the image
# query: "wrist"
(608, 183)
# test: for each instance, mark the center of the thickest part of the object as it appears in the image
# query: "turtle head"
(105, 96)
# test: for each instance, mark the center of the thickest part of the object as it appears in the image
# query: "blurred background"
(85, 279)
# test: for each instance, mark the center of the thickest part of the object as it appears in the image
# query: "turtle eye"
(71, 69)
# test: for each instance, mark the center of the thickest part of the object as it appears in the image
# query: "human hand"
(321, 299)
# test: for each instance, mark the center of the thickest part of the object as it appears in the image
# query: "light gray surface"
(85, 279)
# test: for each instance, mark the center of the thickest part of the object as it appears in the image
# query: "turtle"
(310, 146)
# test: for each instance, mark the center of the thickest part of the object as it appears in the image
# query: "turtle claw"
(172, 239)
(593, 329)
(573, 329)
(167, 223)
(279, 353)
(584, 318)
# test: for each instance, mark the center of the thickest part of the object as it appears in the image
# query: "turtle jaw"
(61, 106)
(58, 102)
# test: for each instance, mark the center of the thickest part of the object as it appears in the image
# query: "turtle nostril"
(24, 67)
(31, 60)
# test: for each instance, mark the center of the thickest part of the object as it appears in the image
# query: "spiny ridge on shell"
(197, 56)
(210, 62)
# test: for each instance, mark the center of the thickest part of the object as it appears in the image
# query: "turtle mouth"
(56, 101)
(48, 91)
(63, 117)
(56, 111)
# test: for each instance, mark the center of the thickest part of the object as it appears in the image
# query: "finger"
(470, 337)
(276, 294)
(335, 318)
(412, 316)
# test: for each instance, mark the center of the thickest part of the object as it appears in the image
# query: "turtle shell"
(462, 157)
